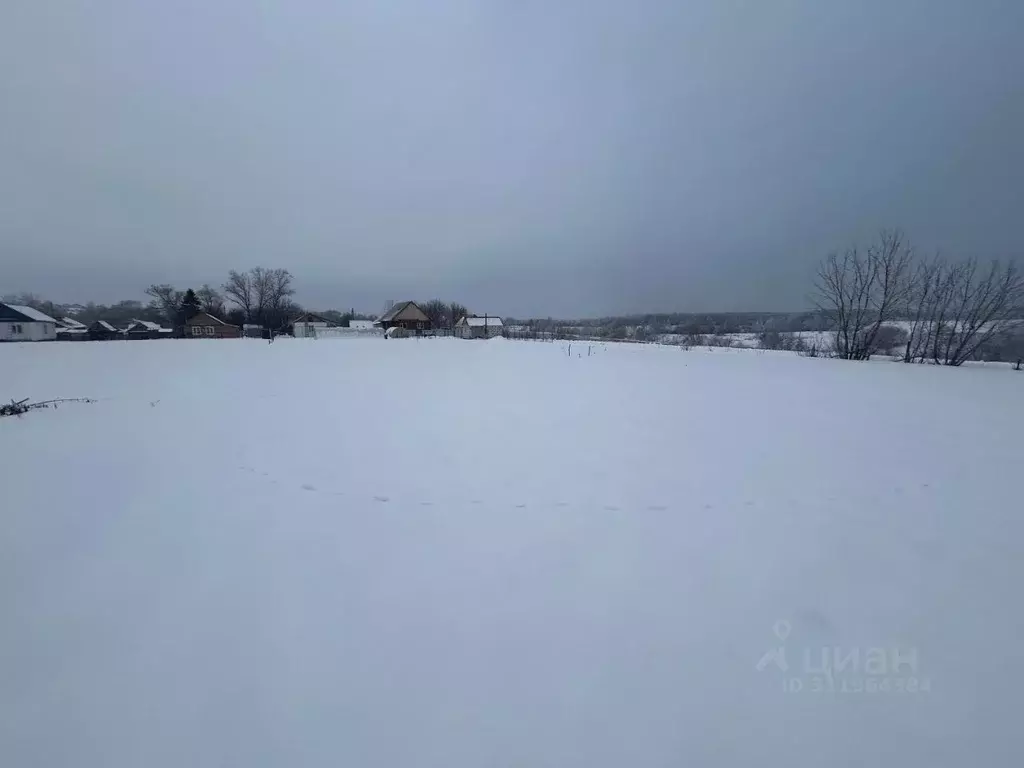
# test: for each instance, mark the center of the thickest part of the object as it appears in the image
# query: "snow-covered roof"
(69, 322)
(32, 314)
(106, 326)
(480, 322)
(149, 325)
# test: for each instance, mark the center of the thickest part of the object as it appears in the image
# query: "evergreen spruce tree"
(190, 305)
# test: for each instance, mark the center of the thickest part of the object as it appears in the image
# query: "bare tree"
(166, 299)
(279, 293)
(262, 288)
(239, 290)
(282, 314)
(271, 289)
(861, 291)
(437, 312)
(211, 300)
(983, 305)
(262, 294)
(456, 312)
(920, 299)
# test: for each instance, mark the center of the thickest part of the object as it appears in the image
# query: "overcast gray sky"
(525, 157)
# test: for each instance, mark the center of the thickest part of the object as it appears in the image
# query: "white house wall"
(303, 330)
(31, 331)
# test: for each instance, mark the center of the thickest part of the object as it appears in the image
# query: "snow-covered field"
(446, 553)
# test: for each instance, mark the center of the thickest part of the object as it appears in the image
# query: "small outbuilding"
(485, 327)
(309, 325)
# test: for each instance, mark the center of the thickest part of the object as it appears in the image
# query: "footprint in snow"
(612, 508)
(562, 504)
(520, 506)
(382, 499)
(308, 487)
(426, 503)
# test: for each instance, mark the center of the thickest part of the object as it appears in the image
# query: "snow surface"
(498, 554)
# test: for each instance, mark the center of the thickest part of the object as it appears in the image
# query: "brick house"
(203, 325)
(406, 315)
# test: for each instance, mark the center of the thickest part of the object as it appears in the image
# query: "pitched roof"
(34, 315)
(70, 322)
(312, 317)
(398, 309)
(149, 325)
(480, 322)
(106, 326)
(203, 318)
(392, 312)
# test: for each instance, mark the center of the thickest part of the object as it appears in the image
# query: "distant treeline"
(642, 327)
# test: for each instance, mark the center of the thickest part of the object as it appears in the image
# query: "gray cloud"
(523, 157)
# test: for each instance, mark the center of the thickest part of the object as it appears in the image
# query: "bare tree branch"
(861, 291)
(239, 291)
(166, 300)
(211, 300)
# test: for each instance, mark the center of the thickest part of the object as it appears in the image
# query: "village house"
(18, 323)
(147, 329)
(405, 315)
(485, 327)
(205, 325)
(69, 329)
(101, 330)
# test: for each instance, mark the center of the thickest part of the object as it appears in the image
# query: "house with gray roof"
(406, 315)
(20, 323)
(101, 330)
